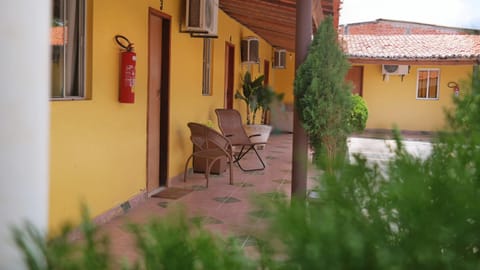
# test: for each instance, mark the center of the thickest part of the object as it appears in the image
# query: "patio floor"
(223, 208)
(228, 209)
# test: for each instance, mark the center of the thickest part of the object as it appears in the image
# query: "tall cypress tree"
(323, 97)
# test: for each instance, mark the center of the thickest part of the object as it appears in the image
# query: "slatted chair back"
(230, 123)
(210, 145)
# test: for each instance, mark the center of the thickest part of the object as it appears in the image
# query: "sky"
(454, 13)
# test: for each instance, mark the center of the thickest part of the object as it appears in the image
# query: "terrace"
(228, 209)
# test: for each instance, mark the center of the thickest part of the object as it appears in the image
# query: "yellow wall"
(393, 101)
(98, 145)
(284, 79)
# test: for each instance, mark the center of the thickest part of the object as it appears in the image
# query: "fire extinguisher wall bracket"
(128, 59)
(455, 87)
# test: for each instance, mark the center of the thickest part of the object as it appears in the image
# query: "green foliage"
(250, 89)
(418, 214)
(175, 243)
(323, 97)
(172, 243)
(62, 253)
(359, 114)
(415, 214)
(256, 96)
(265, 97)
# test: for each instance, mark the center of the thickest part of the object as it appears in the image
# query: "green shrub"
(323, 97)
(171, 243)
(359, 114)
(61, 252)
(176, 243)
(418, 214)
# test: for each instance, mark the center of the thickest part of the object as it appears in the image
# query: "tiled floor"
(228, 209)
(223, 208)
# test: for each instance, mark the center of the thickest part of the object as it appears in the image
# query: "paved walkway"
(228, 209)
(381, 150)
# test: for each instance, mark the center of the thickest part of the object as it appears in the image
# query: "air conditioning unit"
(279, 58)
(395, 69)
(201, 17)
(249, 50)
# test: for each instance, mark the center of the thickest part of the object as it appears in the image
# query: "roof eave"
(413, 61)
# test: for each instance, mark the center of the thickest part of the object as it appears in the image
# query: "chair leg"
(243, 153)
(186, 167)
(207, 170)
(231, 171)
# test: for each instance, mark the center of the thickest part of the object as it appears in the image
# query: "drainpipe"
(300, 142)
(24, 120)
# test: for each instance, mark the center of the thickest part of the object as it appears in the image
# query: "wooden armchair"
(211, 146)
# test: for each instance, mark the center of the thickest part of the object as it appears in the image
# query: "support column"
(300, 142)
(24, 120)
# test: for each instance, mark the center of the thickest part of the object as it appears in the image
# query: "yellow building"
(408, 81)
(66, 137)
(109, 154)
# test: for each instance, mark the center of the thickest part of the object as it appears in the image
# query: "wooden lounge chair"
(210, 145)
(230, 123)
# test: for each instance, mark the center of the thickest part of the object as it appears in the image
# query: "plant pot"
(263, 130)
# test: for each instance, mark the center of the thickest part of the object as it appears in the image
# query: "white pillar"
(24, 120)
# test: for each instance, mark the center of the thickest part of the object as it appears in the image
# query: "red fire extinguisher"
(128, 59)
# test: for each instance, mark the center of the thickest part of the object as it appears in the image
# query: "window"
(68, 50)
(207, 67)
(428, 82)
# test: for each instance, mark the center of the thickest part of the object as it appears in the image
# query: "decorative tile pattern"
(125, 206)
(272, 195)
(282, 181)
(205, 220)
(244, 184)
(163, 204)
(226, 199)
(198, 188)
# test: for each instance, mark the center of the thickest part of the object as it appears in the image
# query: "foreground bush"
(172, 243)
(420, 214)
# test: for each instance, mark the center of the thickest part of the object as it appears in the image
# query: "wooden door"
(266, 72)
(229, 74)
(355, 75)
(158, 92)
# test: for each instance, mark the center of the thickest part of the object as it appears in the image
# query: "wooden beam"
(317, 13)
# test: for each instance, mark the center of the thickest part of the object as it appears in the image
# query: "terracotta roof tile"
(412, 46)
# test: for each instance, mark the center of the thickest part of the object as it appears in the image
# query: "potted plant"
(257, 97)
(250, 89)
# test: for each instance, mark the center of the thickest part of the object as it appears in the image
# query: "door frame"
(229, 75)
(164, 97)
(266, 72)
